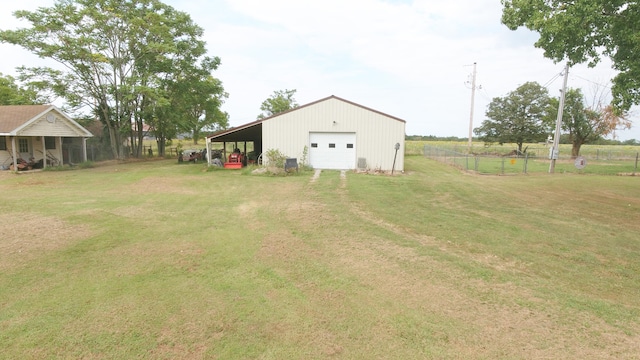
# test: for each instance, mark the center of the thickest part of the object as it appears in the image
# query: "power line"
(554, 78)
(484, 94)
(593, 82)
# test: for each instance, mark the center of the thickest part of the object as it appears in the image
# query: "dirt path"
(316, 175)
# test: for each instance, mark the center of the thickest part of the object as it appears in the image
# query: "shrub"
(57, 168)
(275, 158)
(86, 165)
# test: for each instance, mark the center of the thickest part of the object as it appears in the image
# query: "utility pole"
(555, 150)
(473, 95)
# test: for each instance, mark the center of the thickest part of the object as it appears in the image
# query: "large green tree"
(583, 31)
(13, 94)
(517, 118)
(204, 97)
(121, 60)
(585, 123)
(279, 101)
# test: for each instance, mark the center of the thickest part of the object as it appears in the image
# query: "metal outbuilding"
(336, 133)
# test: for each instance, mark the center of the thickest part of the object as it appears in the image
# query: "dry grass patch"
(161, 185)
(29, 236)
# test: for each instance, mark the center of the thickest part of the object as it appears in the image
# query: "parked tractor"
(235, 160)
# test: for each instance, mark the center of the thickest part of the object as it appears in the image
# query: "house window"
(3, 143)
(349, 146)
(314, 145)
(50, 143)
(331, 146)
(23, 145)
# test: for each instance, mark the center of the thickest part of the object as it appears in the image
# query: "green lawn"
(159, 260)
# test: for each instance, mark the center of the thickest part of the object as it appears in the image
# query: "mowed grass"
(162, 261)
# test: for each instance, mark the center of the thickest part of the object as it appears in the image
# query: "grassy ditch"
(157, 260)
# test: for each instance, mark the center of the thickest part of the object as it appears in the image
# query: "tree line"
(136, 63)
(579, 32)
(564, 139)
(132, 65)
(528, 115)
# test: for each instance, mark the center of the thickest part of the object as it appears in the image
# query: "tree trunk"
(134, 145)
(115, 137)
(139, 137)
(113, 132)
(112, 142)
(161, 146)
(575, 150)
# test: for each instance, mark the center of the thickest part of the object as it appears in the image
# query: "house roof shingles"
(14, 116)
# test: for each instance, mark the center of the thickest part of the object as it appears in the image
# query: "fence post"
(502, 167)
(636, 167)
(476, 165)
(526, 160)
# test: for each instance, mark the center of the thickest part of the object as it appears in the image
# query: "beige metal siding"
(61, 127)
(376, 134)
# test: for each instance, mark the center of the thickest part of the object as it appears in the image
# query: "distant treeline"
(564, 139)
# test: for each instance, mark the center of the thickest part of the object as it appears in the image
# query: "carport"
(239, 136)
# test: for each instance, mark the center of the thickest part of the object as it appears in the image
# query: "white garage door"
(332, 150)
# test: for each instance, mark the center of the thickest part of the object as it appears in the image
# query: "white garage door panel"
(332, 150)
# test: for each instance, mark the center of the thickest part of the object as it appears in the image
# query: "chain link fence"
(533, 161)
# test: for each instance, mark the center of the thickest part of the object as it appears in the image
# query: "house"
(34, 133)
(333, 133)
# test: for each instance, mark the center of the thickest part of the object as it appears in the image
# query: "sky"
(412, 59)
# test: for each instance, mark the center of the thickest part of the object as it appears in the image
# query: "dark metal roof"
(247, 132)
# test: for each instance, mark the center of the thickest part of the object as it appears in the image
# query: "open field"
(496, 159)
(595, 152)
(157, 260)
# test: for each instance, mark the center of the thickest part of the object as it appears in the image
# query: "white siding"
(60, 127)
(376, 134)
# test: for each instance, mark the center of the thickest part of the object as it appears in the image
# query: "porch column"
(15, 155)
(208, 151)
(44, 152)
(61, 153)
(84, 149)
